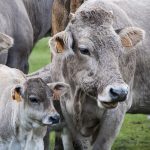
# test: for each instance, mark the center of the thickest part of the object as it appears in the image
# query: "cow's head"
(97, 58)
(36, 97)
(6, 42)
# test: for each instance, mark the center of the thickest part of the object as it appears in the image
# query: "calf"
(26, 107)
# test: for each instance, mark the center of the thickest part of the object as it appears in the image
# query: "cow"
(26, 109)
(26, 21)
(103, 55)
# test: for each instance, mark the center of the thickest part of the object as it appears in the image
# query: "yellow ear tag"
(126, 42)
(59, 45)
(16, 96)
(56, 94)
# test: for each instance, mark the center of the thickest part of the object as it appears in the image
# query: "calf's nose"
(54, 119)
(118, 94)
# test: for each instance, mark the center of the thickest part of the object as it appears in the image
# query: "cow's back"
(14, 20)
(10, 76)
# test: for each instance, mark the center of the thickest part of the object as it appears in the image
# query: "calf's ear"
(59, 89)
(5, 42)
(16, 93)
(131, 36)
(61, 42)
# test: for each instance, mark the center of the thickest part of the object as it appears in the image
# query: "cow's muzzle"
(111, 95)
(51, 119)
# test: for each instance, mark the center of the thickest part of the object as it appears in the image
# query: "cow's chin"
(107, 105)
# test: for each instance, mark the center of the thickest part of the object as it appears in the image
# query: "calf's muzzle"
(51, 119)
(54, 119)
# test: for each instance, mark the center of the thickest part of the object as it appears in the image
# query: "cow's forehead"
(89, 36)
(38, 87)
(97, 31)
(93, 14)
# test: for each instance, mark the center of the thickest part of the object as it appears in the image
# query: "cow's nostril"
(118, 94)
(90, 74)
(54, 119)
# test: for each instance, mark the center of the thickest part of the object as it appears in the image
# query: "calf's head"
(97, 58)
(36, 98)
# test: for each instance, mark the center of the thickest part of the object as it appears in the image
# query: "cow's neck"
(56, 69)
(8, 115)
(25, 126)
(77, 103)
(39, 13)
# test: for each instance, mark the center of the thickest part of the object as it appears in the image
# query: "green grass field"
(40, 55)
(135, 133)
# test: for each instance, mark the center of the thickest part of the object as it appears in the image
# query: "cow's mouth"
(109, 105)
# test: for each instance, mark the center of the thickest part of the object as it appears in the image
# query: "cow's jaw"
(107, 105)
(105, 102)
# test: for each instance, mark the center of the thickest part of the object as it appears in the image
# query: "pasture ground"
(135, 133)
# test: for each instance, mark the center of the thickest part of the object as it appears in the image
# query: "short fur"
(109, 61)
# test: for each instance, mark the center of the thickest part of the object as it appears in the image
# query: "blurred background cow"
(27, 21)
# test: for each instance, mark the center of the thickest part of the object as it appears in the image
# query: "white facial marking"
(46, 120)
(99, 104)
(105, 95)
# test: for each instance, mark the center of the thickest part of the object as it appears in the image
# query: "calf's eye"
(33, 99)
(84, 51)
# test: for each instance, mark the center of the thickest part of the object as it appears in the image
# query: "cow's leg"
(78, 143)
(67, 140)
(110, 128)
(58, 142)
(46, 141)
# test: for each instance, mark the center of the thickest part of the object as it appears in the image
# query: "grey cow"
(26, 21)
(102, 57)
(26, 109)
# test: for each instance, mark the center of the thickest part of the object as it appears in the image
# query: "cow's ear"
(59, 89)
(131, 36)
(17, 93)
(61, 42)
(5, 42)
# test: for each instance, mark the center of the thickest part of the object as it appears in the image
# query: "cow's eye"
(33, 99)
(84, 51)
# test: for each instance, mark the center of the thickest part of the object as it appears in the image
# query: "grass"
(40, 55)
(135, 132)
